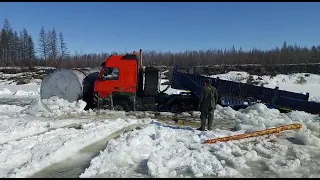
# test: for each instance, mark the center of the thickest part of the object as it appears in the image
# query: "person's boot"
(201, 129)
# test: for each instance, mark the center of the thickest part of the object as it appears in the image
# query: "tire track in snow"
(44, 150)
(74, 166)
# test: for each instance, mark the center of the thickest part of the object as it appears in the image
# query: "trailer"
(124, 84)
(239, 95)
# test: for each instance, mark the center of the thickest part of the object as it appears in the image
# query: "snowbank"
(18, 122)
(19, 94)
(12, 128)
(45, 115)
(164, 151)
(54, 107)
(24, 157)
(5, 92)
(259, 117)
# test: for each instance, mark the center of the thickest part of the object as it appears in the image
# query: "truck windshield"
(111, 74)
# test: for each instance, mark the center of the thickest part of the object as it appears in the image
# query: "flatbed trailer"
(240, 95)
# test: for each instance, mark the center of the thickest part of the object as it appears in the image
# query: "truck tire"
(120, 105)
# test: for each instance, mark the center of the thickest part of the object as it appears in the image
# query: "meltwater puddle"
(75, 165)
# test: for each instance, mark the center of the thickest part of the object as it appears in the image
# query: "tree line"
(50, 49)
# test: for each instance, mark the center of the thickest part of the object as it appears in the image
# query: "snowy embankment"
(157, 151)
(298, 82)
(29, 155)
(32, 140)
(18, 122)
(36, 133)
(19, 91)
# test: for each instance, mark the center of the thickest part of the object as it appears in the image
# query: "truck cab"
(122, 83)
(117, 74)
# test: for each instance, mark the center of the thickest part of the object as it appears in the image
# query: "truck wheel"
(119, 105)
(96, 103)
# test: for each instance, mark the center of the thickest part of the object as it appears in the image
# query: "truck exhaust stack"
(140, 58)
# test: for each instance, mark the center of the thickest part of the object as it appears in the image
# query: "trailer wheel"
(178, 107)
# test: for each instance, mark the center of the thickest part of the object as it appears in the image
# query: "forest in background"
(50, 49)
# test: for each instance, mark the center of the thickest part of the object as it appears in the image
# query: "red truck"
(123, 84)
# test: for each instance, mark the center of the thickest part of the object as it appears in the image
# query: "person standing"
(207, 104)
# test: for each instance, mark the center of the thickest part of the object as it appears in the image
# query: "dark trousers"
(204, 116)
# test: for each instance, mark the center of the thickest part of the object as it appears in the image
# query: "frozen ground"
(34, 135)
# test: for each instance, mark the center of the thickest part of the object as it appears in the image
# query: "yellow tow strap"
(255, 134)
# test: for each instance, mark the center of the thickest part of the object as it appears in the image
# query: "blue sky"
(105, 27)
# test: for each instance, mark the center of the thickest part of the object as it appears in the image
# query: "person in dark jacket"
(207, 104)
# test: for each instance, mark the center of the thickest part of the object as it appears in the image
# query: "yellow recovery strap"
(255, 134)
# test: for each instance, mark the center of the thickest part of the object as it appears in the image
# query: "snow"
(36, 133)
(19, 94)
(55, 106)
(33, 137)
(44, 115)
(164, 151)
(18, 122)
(170, 90)
(24, 157)
(20, 90)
